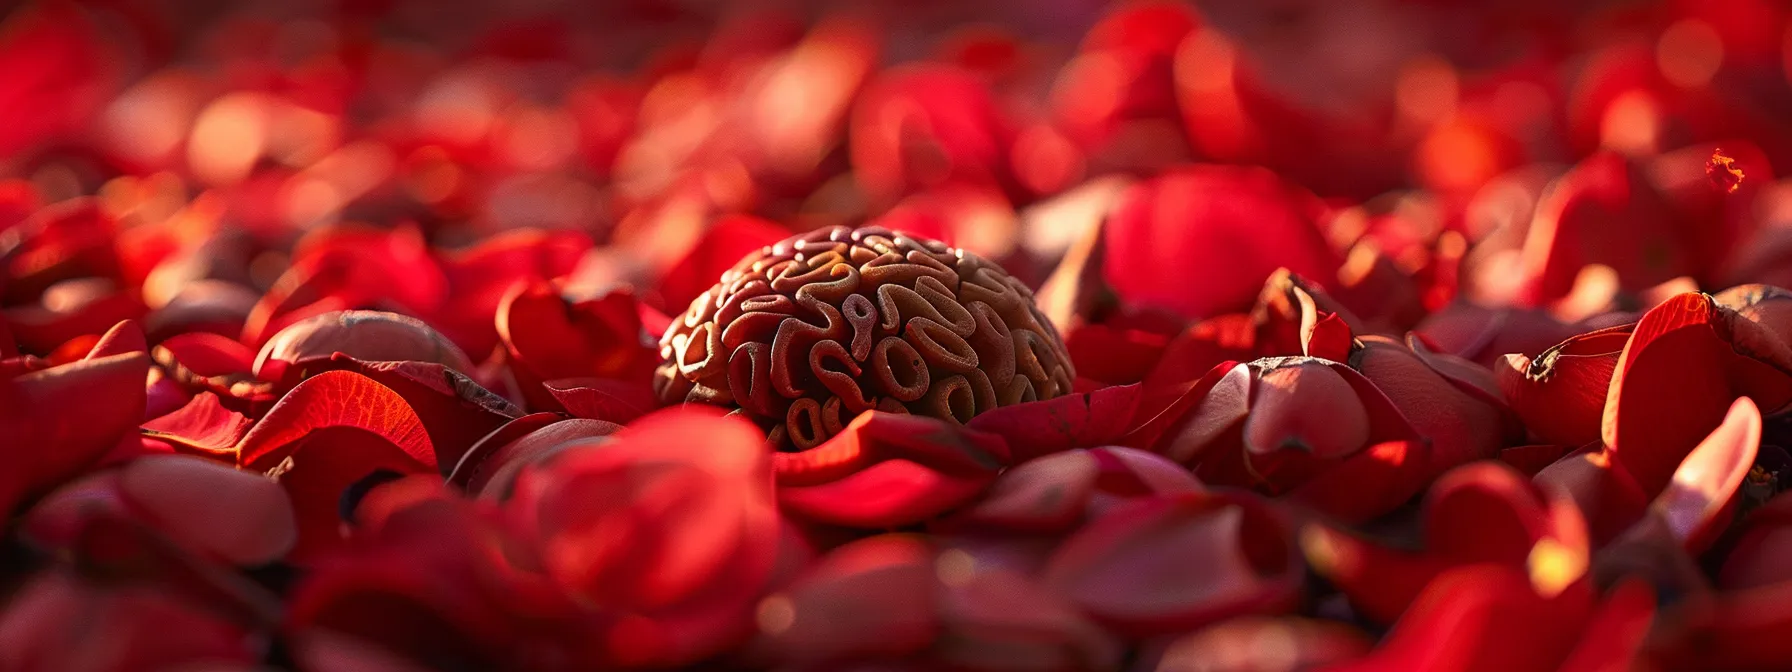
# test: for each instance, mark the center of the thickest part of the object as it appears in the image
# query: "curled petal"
(1699, 500)
(490, 468)
(327, 433)
(886, 470)
(1687, 361)
(365, 335)
(1560, 395)
(203, 426)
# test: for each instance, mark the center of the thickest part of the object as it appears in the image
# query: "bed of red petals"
(1406, 335)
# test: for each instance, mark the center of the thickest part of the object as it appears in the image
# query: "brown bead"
(803, 335)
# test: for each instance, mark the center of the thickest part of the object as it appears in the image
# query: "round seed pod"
(804, 335)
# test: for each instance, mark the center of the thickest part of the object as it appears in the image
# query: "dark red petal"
(492, 474)
(608, 399)
(54, 429)
(889, 493)
(1114, 354)
(1759, 557)
(41, 330)
(1481, 617)
(1178, 562)
(1367, 484)
(490, 444)
(548, 336)
(325, 651)
(996, 618)
(205, 506)
(1210, 413)
(1073, 421)
(1485, 512)
(361, 334)
(1615, 633)
(1529, 460)
(1049, 494)
(1608, 497)
(875, 437)
(1238, 644)
(1203, 346)
(1379, 581)
(1462, 426)
(874, 597)
(1304, 406)
(145, 628)
(1163, 404)
(1561, 395)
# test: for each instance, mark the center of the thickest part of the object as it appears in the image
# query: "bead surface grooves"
(803, 335)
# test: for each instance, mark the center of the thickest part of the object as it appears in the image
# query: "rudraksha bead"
(804, 335)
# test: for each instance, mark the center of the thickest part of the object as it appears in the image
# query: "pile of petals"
(1408, 335)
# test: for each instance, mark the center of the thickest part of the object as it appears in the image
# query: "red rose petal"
(1484, 512)
(548, 336)
(1677, 375)
(1697, 502)
(609, 399)
(1614, 637)
(490, 444)
(203, 426)
(823, 618)
(1372, 482)
(1609, 498)
(718, 249)
(1043, 495)
(997, 619)
(1380, 582)
(455, 410)
(335, 399)
(1561, 396)
(361, 334)
(1482, 617)
(1239, 644)
(145, 628)
(210, 354)
(1245, 220)
(324, 435)
(1072, 421)
(1177, 562)
(1462, 426)
(124, 337)
(53, 429)
(493, 473)
(240, 517)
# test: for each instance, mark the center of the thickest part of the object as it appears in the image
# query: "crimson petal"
(1177, 562)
